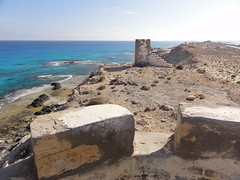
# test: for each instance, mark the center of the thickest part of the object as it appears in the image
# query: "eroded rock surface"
(205, 132)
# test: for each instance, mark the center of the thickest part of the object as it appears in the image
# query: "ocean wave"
(50, 76)
(114, 63)
(63, 63)
(24, 92)
(11, 97)
(129, 53)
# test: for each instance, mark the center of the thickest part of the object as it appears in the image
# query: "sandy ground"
(152, 94)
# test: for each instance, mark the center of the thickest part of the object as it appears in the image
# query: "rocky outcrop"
(56, 86)
(50, 108)
(39, 101)
(77, 140)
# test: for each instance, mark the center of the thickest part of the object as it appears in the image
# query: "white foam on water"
(128, 53)
(84, 62)
(23, 92)
(67, 78)
(50, 76)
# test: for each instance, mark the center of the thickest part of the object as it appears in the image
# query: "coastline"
(16, 116)
(152, 94)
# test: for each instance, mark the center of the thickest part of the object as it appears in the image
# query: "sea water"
(30, 66)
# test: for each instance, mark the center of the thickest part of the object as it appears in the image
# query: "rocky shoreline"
(17, 116)
(152, 94)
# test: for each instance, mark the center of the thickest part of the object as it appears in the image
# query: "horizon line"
(120, 40)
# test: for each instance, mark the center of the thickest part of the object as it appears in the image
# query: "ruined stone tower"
(144, 56)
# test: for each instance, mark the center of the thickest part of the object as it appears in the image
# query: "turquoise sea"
(28, 66)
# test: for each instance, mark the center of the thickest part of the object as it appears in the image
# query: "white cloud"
(129, 12)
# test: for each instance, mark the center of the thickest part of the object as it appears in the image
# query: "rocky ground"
(153, 94)
(217, 59)
(204, 74)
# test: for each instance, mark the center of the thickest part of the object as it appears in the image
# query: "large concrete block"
(76, 140)
(204, 132)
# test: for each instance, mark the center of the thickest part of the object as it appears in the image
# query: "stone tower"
(144, 56)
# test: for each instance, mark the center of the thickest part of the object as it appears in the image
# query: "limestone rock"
(204, 132)
(76, 140)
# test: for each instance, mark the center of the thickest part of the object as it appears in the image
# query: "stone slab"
(205, 132)
(76, 140)
(146, 143)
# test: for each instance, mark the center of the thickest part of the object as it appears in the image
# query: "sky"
(158, 20)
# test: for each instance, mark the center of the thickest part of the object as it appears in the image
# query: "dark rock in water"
(56, 86)
(39, 101)
(49, 109)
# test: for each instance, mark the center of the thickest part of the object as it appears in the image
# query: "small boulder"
(191, 98)
(102, 87)
(233, 76)
(166, 108)
(179, 67)
(118, 81)
(56, 85)
(48, 109)
(201, 71)
(201, 96)
(147, 109)
(134, 102)
(145, 88)
(39, 101)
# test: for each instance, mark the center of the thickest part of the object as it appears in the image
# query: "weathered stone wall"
(144, 56)
(77, 140)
